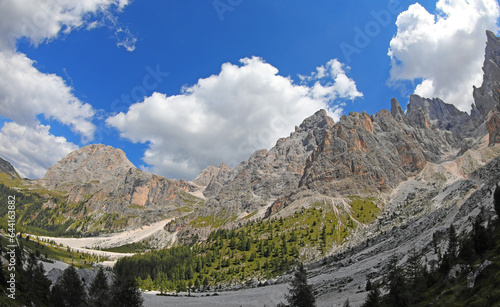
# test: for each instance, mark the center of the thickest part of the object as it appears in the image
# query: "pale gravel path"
(90, 245)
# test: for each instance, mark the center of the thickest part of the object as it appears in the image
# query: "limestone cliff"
(487, 96)
(267, 175)
(106, 182)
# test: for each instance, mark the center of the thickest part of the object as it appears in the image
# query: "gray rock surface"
(487, 96)
(266, 175)
(7, 168)
(106, 182)
(436, 114)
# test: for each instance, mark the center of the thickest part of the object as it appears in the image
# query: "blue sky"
(179, 85)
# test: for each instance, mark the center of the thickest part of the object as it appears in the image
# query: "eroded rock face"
(267, 175)
(104, 180)
(363, 154)
(89, 164)
(493, 126)
(7, 168)
(219, 176)
(488, 95)
(206, 175)
(437, 115)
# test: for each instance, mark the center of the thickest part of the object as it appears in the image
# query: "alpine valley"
(345, 198)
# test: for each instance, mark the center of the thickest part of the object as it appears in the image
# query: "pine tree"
(415, 277)
(301, 294)
(480, 237)
(41, 286)
(323, 236)
(373, 297)
(72, 288)
(99, 290)
(57, 296)
(396, 284)
(496, 198)
(124, 291)
(452, 243)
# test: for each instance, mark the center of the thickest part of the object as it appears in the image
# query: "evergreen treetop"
(301, 294)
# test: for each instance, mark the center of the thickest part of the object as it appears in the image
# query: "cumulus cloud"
(32, 150)
(40, 21)
(336, 83)
(444, 52)
(226, 117)
(25, 93)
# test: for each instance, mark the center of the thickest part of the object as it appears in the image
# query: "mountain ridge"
(360, 155)
(7, 168)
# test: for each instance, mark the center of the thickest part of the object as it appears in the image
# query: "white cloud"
(40, 21)
(32, 150)
(336, 83)
(445, 51)
(225, 117)
(25, 93)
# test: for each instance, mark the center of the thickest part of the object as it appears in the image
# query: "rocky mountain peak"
(7, 168)
(397, 111)
(320, 119)
(267, 175)
(111, 191)
(209, 173)
(436, 114)
(362, 153)
(487, 96)
(93, 163)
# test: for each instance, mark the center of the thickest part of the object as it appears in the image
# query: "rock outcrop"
(487, 96)
(267, 175)
(7, 168)
(209, 173)
(493, 126)
(363, 154)
(435, 114)
(106, 182)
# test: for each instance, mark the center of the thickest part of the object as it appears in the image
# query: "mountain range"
(424, 169)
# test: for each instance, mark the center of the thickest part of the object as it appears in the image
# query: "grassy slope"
(55, 252)
(43, 212)
(275, 244)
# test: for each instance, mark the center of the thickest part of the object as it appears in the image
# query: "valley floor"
(262, 296)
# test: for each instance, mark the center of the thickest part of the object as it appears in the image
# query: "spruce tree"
(368, 286)
(373, 297)
(57, 296)
(125, 292)
(72, 288)
(396, 283)
(496, 198)
(467, 252)
(301, 294)
(99, 295)
(480, 237)
(415, 277)
(40, 288)
(452, 243)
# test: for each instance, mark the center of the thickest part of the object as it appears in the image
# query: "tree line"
(33, 288)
